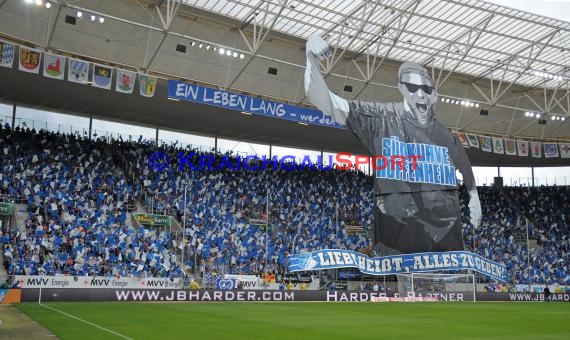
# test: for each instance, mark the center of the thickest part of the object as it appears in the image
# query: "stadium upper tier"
(507, 61)
(78, 190)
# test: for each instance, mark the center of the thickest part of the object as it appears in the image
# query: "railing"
(525, 181)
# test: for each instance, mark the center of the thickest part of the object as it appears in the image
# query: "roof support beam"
(259, 35)
(172, 7)
(51, 27)
(403, 21)
(334, 59)
(535, 49)
(472, 35)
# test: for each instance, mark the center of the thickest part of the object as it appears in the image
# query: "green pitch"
(313, 321)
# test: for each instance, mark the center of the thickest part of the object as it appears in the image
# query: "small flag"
(29, 60)
(461, 138)
(498, 145)
(473, 141)
(78, 71)
(147, 85)
(522, 147)
(102, 76)
(564, 150)
(7, 54)
(125, 81)
(486, 144)
(535, 148)
(550, 150)
(510, 147)
(54, 66)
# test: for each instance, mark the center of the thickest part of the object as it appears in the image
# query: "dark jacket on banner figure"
(417, 204)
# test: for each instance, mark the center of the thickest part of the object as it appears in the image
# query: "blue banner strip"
(239, 102)
(397, 264)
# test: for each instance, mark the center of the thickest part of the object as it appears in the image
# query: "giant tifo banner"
(36, 281)
(240, 102)
(185, 295)
(397, 264)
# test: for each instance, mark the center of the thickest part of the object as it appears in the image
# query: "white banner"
(252, 282)
(36, 281)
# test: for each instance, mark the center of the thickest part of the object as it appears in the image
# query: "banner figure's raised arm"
(417, 205)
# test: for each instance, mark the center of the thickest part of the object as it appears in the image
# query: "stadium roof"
(470, 36)
(507, 60)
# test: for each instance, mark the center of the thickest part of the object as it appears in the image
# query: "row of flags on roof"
(511, 147)
(75, 70)
(79, 71)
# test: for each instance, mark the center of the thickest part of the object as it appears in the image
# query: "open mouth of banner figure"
(422, 107)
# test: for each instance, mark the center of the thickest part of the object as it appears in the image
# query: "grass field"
(268, 321)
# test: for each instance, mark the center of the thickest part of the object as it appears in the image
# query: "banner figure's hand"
(318, 47)
(475, 208)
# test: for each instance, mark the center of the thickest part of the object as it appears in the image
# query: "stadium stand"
(78, 193)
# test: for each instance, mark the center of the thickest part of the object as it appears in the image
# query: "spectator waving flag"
(7, 54)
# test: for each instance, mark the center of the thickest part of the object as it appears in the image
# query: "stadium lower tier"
(79, 194)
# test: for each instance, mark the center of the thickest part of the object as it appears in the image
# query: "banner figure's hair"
(413, 67)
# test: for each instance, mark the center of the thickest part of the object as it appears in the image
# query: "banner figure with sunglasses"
(417, 204)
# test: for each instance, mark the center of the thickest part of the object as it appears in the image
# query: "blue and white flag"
(550, 150)
(7, 54)
(226, 284)
(78, 71)
(397, 264)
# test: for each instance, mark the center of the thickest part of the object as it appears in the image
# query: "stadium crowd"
(78, 192)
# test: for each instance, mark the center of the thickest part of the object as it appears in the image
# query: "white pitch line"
(87, 322)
